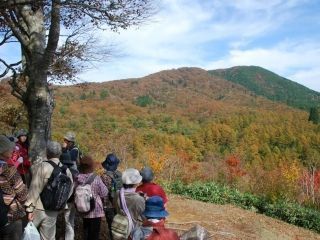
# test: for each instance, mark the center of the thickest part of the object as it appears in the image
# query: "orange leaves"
(234, 168)
(157, 160)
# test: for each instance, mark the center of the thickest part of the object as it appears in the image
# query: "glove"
(20, 160)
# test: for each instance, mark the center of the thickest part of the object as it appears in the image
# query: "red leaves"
(234, 168)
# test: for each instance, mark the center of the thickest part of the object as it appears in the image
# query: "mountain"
(270, 85)
(187, 124)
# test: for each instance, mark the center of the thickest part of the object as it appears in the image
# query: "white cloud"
(176, 36)
(214, 34)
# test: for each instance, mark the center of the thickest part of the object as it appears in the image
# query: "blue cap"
(155, 208)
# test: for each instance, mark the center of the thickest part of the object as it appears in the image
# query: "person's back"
(69, 213)
(112, 178)
(153, 228)
(45, 219)
(160, 232)
(150, 188)
(92, 217)
(135, 203)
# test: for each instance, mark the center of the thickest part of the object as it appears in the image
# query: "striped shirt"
(15, 192)
(99, 192)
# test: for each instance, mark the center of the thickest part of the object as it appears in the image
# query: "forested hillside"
(190, 125)
(270, 85)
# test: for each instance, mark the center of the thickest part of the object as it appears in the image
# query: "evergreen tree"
(314, 115)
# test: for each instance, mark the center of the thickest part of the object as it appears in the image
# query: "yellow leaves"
(157, 160)
(291, 173)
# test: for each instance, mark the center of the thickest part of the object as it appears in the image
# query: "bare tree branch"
(6, 37)
(17, 91)
(15, 29)
(8, 67)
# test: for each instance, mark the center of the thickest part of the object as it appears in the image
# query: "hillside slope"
(270, 85)
(229, 222)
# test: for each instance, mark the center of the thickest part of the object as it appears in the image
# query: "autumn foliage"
(195, 128)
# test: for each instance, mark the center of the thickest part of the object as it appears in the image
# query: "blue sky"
(280, 35)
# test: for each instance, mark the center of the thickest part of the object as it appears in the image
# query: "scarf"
(124, 205)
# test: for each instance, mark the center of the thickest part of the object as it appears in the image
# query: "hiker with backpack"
(51, 186)
(70, 212)
(20, 158)
(69, 146)
(89, 196)
(129, 205)
(153, 228)
(150, 188)
(13, 194)
(112, 178)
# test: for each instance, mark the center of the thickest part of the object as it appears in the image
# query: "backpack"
(55, 194)
(120, 225)
(83, 197)
(4, 209)
(116, 183)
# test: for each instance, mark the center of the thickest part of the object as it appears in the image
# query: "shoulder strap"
(90, 179)
(121, 204)
(126, 211)
(109, 173)
(56, 168)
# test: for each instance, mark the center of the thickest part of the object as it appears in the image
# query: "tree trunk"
(40, 107)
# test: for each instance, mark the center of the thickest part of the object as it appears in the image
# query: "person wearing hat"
(14, 192)
(70, 212)
(134, 203)
(153, 228)
(20, 157)
(92, 220)
(69, 146)
(112, 178)
(150, 188)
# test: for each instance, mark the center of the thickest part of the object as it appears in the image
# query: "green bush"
(144, 101)
(83, 96)
(104, 94)
(212, 192)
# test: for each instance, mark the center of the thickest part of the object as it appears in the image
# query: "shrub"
(104, 94)
(144, 101)
(287, 211)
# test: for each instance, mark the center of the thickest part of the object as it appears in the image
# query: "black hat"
(111, 163)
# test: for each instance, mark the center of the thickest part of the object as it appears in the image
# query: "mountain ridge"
(268, 84)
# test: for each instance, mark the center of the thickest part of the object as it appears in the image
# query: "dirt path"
(229, 222)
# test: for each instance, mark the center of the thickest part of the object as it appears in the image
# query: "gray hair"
(53, 149)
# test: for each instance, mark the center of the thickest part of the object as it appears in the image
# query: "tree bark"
(40, 108)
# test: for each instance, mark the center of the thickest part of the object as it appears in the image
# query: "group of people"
(67, 183)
